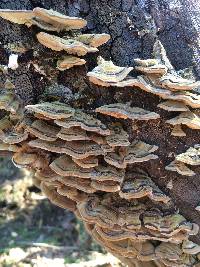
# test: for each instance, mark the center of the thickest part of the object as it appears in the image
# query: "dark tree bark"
(134, 26)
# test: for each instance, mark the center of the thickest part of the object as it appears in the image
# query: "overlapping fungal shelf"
(82, 159)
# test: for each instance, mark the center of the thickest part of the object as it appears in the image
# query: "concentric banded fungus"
(191, 156)
(85, 121)
(177, 83)
(106, 71)
(188, 118)
(54, 110)
(138, 187)
(58, 20)
(57, 199)
(76, 149)
(138, 151)
(180, 168)
(190, 247)
(43, 130)
(73, 133)
(15, 137)
(88, 162)
(64, 166)
(68, 62)
(17, 16)
(118, 137)
(70, 151)
(94, 40)
(71, 46)
(171, 105)
(124, 111)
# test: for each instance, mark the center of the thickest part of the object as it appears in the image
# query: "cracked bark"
(134, 26)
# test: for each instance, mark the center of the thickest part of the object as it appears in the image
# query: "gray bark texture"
(134, 25)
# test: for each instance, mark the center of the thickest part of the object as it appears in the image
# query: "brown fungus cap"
(187, 118)
(124, 111)
(85, 121)
(94, 39)
(180, 168)
(68, 62)
(53, 110)
(75, 149)
(17, 16)
(178, 131)
(60, 21)
(73, 134)
(43, 130)
(71, 46)
(171, 105)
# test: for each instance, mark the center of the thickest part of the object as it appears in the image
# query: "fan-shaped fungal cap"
(138, 187)
(178, 131)
(15, 137)
(169, 251)
(71, 193)
(106, 186)
(138, 151)
(88, 162)
(124, 111)
(188, 118)
(68, 62)
(94, 39)
(190, 247)
(175, 82)
(43, 130)
(180, 168)
(57, 199)
(8, 147)
(108, 72)
(53, 110)
(76, 149)
(158, 69)
(118, 137)
(70, 45)
(168, 225)
(160, 54)
(81, 184)
(64, 166)
(147, 252)
(59, 20)
(191, 156)
(171, 105)
(24, 159)
(86, 122)
(17, 16)
(73, 133)
(144, 83)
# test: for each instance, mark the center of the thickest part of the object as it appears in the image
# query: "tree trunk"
(134, 27)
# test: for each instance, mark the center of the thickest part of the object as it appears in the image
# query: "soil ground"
(35, 233)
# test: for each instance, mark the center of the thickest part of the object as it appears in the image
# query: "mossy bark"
(134, 26)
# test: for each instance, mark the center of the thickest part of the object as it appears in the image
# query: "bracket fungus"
(85, 121)
(188, 118)
(180, 168)
(71, 46)
(88, 163)
(106, 71)
(124, 111)
(68, 62)
(191, 156)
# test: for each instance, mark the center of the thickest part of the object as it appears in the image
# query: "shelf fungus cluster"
(158, 77)
(88, 162)
(73, 43)
(190, 157)
(80, 164)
